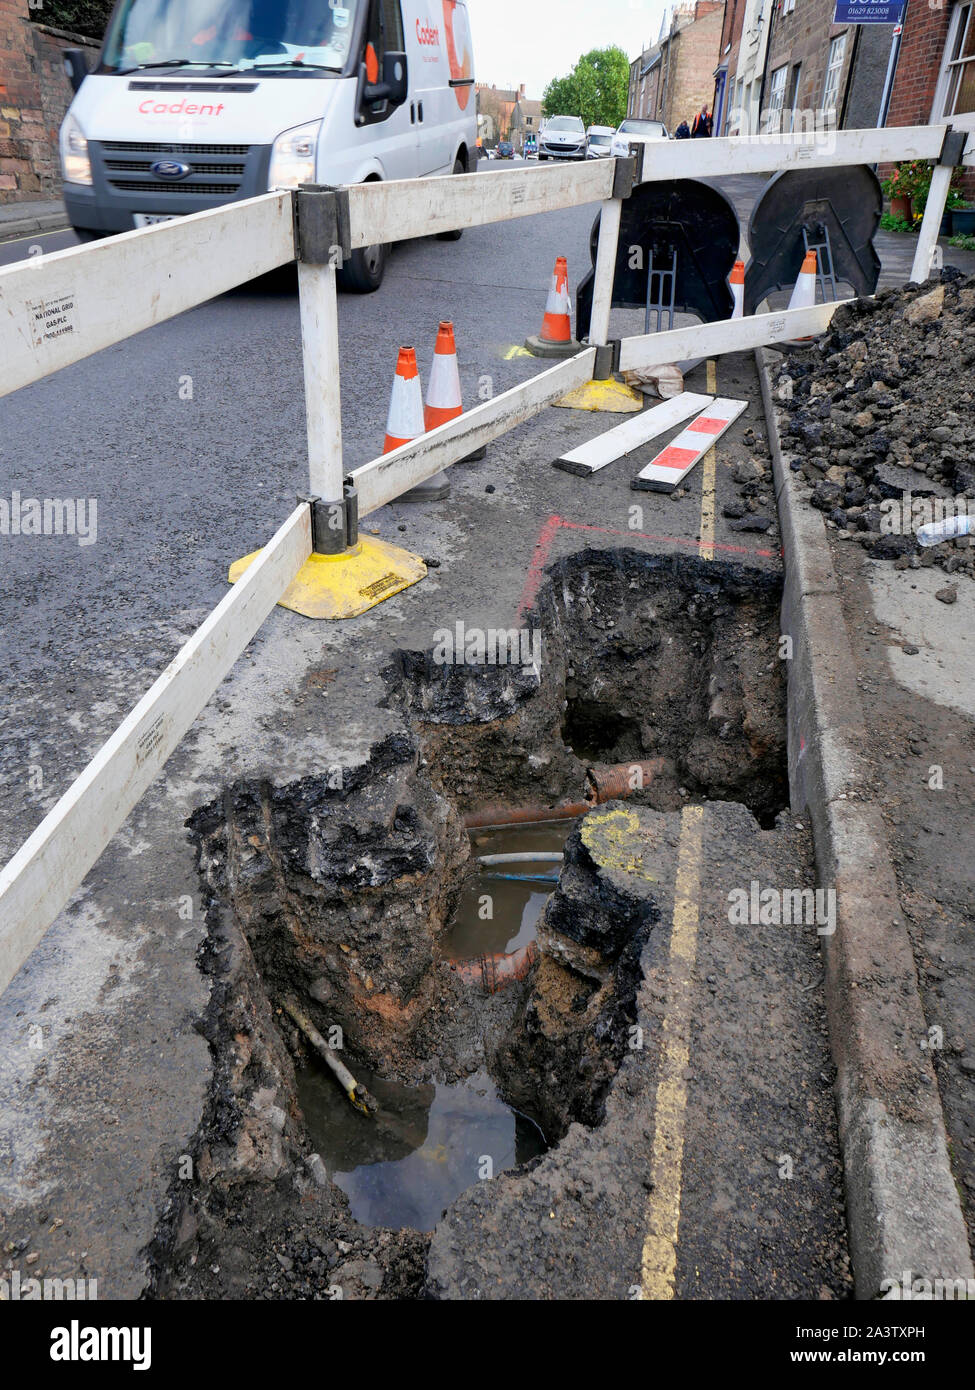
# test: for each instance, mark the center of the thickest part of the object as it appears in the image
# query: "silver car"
(562, 137)
(638, 129)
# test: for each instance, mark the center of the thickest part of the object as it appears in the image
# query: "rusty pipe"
(602, 784)
(616, 783)
(492, 973)
(500, 816)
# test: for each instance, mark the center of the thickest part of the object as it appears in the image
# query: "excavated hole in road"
(358, 898)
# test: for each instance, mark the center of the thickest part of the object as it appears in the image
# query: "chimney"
(521, 92)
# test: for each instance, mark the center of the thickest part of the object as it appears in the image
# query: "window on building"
(776, 99)
(788, 6)
(793, 99)
(956, 89)
(834, 69)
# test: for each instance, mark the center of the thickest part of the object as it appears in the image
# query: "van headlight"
(75, 160)
(293, 157)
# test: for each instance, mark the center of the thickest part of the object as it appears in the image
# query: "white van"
(599, 138)
(195, 103)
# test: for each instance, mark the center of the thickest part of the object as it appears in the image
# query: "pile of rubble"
(877, 416)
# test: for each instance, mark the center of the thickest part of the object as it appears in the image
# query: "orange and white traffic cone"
(736, 281)
(804, 290)
(443, 394)
(444, 400)
(555, 339)
(405, 420)
(405, 423)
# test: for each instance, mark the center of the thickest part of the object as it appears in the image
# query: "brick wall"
(916, 77)
(34, 95)
(804, 36)
(695, 57)
(919, 63)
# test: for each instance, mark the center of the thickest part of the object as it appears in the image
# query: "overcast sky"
(532, 41)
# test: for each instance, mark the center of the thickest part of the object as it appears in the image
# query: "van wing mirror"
(76, 66)
(394, 85)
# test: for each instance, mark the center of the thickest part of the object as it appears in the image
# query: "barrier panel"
(58, 309)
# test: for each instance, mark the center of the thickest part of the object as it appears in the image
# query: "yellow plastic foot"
(612, 396)
(343, 586)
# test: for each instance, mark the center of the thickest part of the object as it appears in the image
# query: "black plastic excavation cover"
(681, 215)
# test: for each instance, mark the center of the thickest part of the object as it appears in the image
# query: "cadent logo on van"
(427, 34)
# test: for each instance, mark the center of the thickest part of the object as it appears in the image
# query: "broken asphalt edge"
(903, 1210)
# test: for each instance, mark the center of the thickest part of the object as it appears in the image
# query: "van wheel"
(364, 270)
(459, 168)
(543, 156)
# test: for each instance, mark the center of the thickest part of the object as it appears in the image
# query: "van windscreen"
(241, 34)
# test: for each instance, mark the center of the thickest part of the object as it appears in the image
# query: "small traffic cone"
(555, 339)
(804, 290)
(736, 281)
(405, 423)
(405, 420)
(804, 293)
(444, 400)
(443, 394)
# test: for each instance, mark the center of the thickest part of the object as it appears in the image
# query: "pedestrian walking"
(702, 124)
(683, 131)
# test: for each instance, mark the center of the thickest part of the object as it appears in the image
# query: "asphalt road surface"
(190, 439)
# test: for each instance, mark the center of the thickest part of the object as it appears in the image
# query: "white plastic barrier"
(60, 308)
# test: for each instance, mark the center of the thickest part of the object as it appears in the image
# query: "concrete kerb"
(26, 219)
(903, 1209)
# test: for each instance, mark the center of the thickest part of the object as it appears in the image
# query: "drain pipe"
(602, 784)
(357, 1095)
(492, 973)
(538, 857)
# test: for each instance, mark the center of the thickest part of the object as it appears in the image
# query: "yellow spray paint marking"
(609, 836)
(513, 352)
(663, 1206)
(708, 483)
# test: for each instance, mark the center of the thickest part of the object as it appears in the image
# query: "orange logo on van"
(459, 51)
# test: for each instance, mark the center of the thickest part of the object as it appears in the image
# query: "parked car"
(637, 129)
(506, 150)
(599, 141)
(562, 137)
(192, 107)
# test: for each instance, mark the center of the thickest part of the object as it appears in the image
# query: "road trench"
(494, 1017)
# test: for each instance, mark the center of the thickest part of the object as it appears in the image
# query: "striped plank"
(613, 444)
(672, 465)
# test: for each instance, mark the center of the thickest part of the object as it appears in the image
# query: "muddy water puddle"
(425, 1145)
(499, 910)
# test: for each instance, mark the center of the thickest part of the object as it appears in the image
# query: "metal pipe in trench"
(357, 1095)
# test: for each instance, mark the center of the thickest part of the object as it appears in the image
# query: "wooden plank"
(727, 335)
(404, 208)
(384, 479)
(672, 465)
(59, 308)
(613, 444)
(759, 154)
(50, 866)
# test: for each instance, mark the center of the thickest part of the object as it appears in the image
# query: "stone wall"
(34, 95)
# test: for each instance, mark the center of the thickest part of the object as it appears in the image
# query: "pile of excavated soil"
(878, 418)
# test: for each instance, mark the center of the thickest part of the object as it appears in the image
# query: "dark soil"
(880, 407)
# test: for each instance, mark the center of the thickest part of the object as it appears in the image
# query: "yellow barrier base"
(612, 396)
(343, 586)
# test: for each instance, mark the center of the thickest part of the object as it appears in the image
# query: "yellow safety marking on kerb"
(608, 835)
(708, 481)
(663, 1206)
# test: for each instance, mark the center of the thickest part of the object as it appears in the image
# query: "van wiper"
(295, 63)
(171, 63)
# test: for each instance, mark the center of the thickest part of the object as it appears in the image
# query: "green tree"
(596, 89)
(87, 17)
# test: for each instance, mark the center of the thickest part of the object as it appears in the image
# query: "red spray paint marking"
(546, 539)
